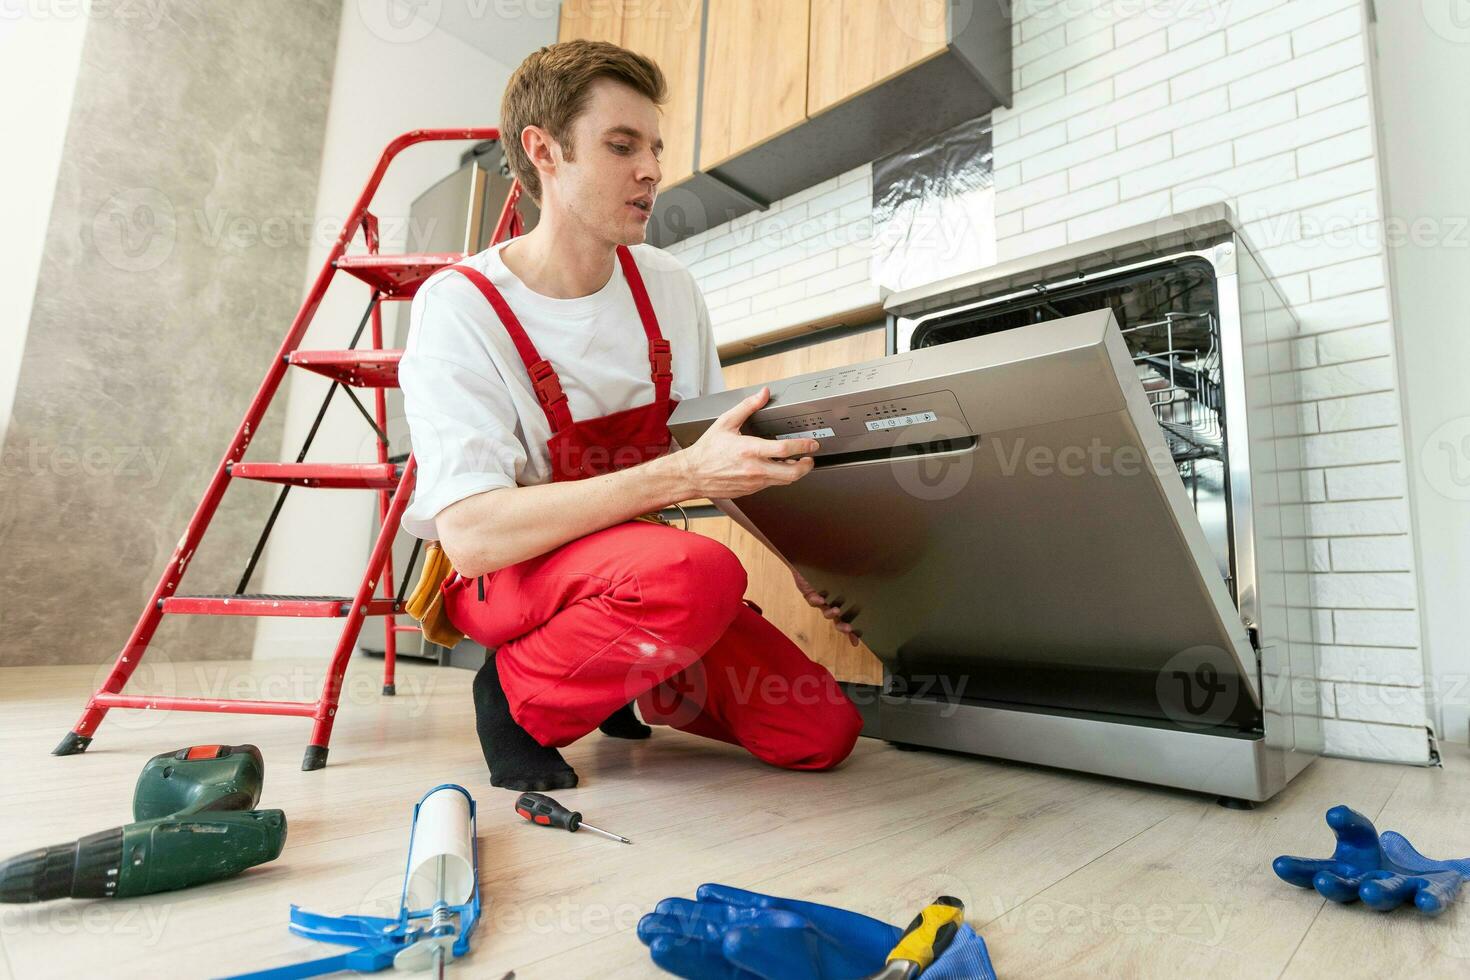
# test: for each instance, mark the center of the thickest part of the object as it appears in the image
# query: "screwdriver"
(542, 809)
(924, 941)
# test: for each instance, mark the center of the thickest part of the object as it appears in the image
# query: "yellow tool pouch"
(426, 604)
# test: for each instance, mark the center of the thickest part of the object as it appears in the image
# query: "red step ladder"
(392, 277)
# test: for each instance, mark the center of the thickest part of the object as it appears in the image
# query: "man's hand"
(819, 600)
(724, 463)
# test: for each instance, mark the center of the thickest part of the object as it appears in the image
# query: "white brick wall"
(806, 257)
(1125, 112)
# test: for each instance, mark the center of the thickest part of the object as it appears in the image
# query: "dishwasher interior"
(1169, 316)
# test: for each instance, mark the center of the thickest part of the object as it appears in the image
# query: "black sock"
(624, 724)
(516, 760)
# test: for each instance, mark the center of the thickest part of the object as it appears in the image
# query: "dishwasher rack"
(1168, 314)
(1178, 359)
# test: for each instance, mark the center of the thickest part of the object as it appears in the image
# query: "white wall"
(806, 257)
(392, 75)
(1423, 78)
(40, 55)
(1263, 104)
(1126, 112)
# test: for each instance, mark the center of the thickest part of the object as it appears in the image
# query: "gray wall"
(172, 268)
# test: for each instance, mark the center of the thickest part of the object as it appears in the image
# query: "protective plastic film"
(934, 208)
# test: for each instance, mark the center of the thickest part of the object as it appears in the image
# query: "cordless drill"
(194, 821)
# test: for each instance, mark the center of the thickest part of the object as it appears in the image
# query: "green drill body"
(194, 821)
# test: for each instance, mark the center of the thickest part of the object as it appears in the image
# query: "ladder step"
(326, 476)
(318, 606)
(106, 699)
(358, 368)
(396, 276)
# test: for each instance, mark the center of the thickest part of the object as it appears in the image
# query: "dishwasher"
(1065, 512)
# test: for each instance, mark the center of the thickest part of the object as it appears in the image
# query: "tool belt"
(426, 603)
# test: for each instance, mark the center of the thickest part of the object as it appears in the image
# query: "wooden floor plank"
(1194, 892)
(1064, 874)
(1431, 807)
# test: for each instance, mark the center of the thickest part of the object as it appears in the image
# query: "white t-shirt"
(473, 418)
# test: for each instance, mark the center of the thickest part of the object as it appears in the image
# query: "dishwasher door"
(1004, 522)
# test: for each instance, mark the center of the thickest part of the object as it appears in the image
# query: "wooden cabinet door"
(770, 583)
(668, 32)
(591, 20)
(754, 74)
(856, 44)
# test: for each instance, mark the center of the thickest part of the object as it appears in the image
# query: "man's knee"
(842, 731)
(699, 580)
(711, 568)
(823, 745)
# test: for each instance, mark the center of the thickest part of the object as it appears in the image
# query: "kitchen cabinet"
(882, 75)
(755, 74)
(591, 20)
(770, 583)
(856, 44)
(668, 32)
(789, 93)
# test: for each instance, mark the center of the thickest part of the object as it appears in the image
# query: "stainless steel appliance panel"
(1261, 493)
(1004, 512)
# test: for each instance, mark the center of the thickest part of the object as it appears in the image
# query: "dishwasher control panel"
(917, 417)
(847, 379)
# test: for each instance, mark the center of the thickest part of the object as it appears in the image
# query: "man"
(538, 380)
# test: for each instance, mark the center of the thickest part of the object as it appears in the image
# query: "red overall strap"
(543, 376)
(660, 357)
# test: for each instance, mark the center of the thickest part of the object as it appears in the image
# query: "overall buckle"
(661, 357)
(546, 384)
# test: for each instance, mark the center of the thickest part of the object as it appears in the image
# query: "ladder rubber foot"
(1235, 803)
(390, 689)
(316, 758)
(72, 744)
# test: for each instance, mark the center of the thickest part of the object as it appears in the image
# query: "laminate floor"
(1063, 874)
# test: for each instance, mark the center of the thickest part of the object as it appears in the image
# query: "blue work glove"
(732, 934)
(1383, 871)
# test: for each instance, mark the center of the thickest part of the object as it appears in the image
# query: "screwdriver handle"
(930, 933)
(542, 809)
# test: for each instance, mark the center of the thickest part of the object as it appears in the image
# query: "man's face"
(611, 181)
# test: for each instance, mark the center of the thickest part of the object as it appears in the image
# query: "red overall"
(639, 610)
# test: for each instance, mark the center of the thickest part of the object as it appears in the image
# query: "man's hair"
(551, 88)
